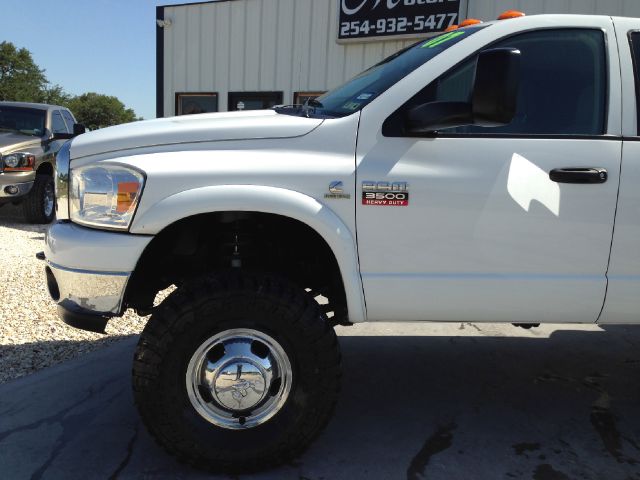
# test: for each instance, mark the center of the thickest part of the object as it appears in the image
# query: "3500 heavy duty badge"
(385, 194)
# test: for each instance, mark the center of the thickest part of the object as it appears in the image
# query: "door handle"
(578, 175)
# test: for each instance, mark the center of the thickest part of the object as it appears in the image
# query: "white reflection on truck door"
(528, 182)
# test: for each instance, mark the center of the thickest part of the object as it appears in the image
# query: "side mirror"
(493, 99)
(495, 91)
(433, 116)
(79, 129)
(61, 136)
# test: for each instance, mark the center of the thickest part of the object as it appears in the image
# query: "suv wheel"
(236, 373)
(39, 205)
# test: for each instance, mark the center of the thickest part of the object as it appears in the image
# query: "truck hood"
(210, 127)
(14, 141)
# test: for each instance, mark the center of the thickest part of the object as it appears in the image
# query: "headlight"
(104, 195)
(19, 162)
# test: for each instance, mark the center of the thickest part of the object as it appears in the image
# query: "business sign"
(383, 18)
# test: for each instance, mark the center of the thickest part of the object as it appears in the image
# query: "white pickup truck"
(490, 174)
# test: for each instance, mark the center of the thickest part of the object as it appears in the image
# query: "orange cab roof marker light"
(510, 14)
(470, 21)
(451, 28)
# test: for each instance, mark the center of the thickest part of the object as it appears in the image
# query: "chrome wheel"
(48, 199)
(239, 378)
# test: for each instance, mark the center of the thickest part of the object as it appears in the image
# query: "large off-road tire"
(238, 372)
(38, 206)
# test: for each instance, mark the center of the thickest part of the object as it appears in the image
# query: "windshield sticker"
(435, 42)
(351, 106)
(365, 96)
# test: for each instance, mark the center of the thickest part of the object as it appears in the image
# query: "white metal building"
(234, 54)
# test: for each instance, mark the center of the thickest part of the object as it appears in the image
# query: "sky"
(103, 46)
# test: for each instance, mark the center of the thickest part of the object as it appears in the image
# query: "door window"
(635, 49)
(57, 123)
(563, 84)
(69, 120)
(254, 100)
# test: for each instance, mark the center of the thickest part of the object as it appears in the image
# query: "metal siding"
(178, 36)
(193, 48)
(335, 51)
(167, 74)
(373, 53)
(252, 57)
(353, 59)
(290, 45)
(237, 44)
(222, 54)
(207, 41)
(630, 8)
(301, 45)
(285, 50)
(242, 45)
(268, 48)
(318, 52)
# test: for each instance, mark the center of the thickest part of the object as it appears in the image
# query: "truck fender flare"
(264, 199)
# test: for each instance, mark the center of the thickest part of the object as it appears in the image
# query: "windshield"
(365, 87)
(29, 121)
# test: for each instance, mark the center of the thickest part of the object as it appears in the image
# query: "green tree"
(97, 111)
(54, 95)
(21, 80)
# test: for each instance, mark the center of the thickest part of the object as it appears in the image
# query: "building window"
(254, 100)
(299, 98)
(190, 103)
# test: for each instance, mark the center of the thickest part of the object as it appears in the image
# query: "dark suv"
(30, 136)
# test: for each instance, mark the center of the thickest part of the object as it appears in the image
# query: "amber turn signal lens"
(511, 14)
(470, 21)
(127, 192)
(451, 28)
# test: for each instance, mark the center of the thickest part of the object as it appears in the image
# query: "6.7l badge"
(385, 194)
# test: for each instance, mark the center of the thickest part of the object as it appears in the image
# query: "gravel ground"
(31, 335)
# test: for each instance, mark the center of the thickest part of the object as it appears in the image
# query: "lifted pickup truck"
(474, 176)
(30, 136)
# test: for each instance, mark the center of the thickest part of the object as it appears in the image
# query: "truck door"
(467, 224)
(623, 292)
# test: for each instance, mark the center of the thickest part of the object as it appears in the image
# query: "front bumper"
(86, 299)
(21, 189)
(87, 272)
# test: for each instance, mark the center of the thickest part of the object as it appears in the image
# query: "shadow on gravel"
(414, 407)
(11, 213)
(21, 360)
(11, 217)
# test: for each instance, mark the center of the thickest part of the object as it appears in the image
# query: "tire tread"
(178, 312)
